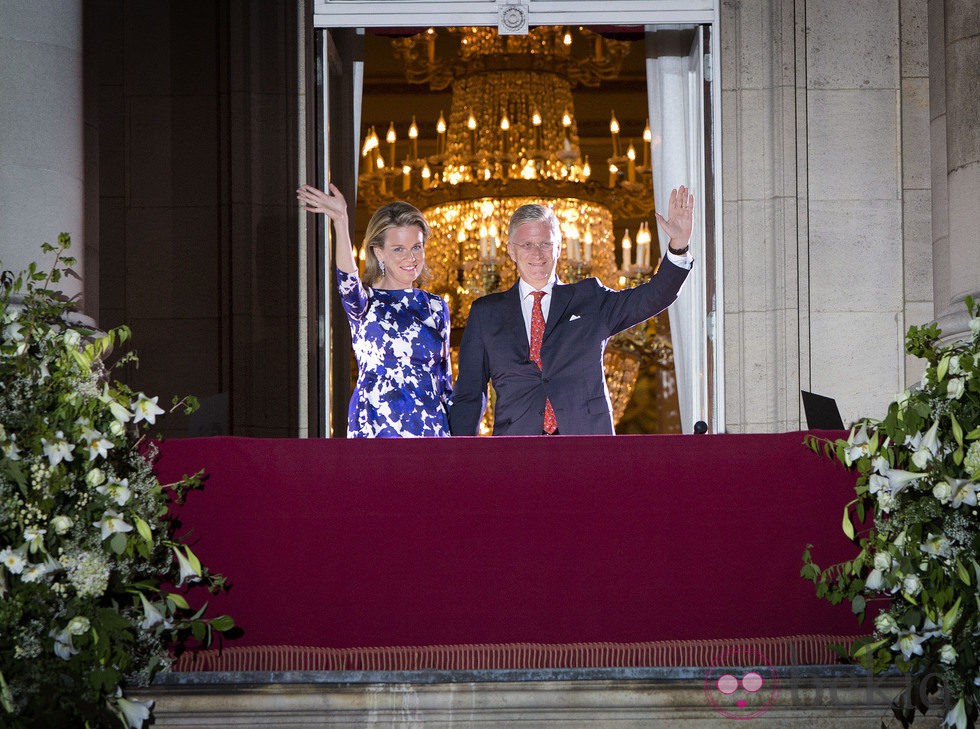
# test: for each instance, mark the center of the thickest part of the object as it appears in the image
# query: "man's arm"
(470, 392)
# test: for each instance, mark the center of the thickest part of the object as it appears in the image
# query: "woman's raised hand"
(331, 204)
(680, 217)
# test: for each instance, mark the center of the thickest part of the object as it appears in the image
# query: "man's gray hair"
(534, 213)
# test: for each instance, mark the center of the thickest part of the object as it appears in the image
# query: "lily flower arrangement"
(916, 523)
(90, 567)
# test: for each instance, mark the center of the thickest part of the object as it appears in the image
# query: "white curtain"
(676, 106)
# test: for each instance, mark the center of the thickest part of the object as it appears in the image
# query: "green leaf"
(869, 648)
(973, 434)
(199, 630)
(178, 600)
(963, 573)
(858, 604)
(958, 456)
(957, 429)
(144, 530)
(951, 616)
(192, 558)
(118, 543)
(846, 522)
(943, 368)
(223, 623)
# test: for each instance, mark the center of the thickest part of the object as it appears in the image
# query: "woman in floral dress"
(400, 333)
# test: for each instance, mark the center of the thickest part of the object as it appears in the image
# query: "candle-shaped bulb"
(441, 124)
(486, 208)
(363, 254)
(614, 124)
(647, 137)
(471, 122)
(413, 131)
(536, 118)
(567, 38)
(381, 162)
(566, 119)
(426, 173)
(631, 153)
(390, 138)
(586, 168)
(504, 122)
(627, 249)
(587, 246)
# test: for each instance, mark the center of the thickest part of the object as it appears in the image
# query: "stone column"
(41, 160)
(954, 30)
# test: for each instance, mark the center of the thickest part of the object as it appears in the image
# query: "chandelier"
(511, 138)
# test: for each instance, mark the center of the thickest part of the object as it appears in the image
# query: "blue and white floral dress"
(401, 343)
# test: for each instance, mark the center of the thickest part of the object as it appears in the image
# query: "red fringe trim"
(798, 650)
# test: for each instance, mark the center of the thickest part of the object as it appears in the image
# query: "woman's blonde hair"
(396, 214)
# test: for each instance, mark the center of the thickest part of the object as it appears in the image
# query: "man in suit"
(541, 341)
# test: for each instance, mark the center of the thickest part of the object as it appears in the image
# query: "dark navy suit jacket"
(581, 318)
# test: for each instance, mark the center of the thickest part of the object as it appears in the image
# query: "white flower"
(10, 449)
(877, 483)
(151, 615)
(111, 523)
(885, 623)
(963, 492)
(146, 408)
(943, 492)
(858, 442)
(883, 561)
(936, 544)
(886, 502)
(13, 560)
(94, 477)
(72, 338)
(118, 491)
(33, 572)
(975, 328)
(972, 460)
(955, 388)
(875, 580)
(927, 447)
(98, 446)
(187, 571)
(78, 625)
(63, 646)
(61, 524)
(957, 715)
(954, 364)
(57, 450)
(34, 536)
(911, 585)
(909, 644)
(135, 713)
(899, 479)
(948, 654)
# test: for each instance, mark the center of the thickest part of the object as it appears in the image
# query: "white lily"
(63, 646)
(877, 483)
(112, 523)
(936, 545)
(98, 445)
(187, 571)
(33, 572)
(134, 712)
(146, 408)
(875, 580)
(858, 442)
(963, 492)
(955, 388)
(927, 448)
(118, 491)
(10, 449)
(13, 560)
(909, 644)
(899, 479)
(57, 450)
(151, 615)
(957, 715)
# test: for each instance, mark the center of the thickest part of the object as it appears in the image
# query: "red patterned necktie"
(537, 334)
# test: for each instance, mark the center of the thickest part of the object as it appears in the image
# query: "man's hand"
(680, 217)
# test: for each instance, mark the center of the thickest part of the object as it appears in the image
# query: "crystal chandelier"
(511, 138)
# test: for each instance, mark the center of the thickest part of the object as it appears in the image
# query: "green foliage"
(919, 481)
(86, 550)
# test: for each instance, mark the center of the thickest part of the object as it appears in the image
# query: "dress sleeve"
(446, 365)
(353, 295)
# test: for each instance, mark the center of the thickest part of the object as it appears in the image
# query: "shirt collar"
(526, 289)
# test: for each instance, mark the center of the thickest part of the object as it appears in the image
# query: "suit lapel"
(518, 331)
(561, 296)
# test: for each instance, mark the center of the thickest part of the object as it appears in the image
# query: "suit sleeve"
(623, 309)
(470, 393)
